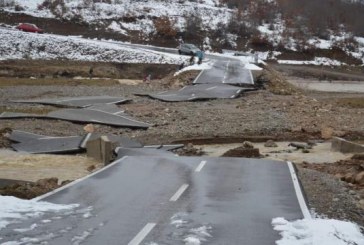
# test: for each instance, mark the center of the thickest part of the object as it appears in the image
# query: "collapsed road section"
(81, 102)
(168, 199)
(200, 92)
(102, 114)
(36, 144)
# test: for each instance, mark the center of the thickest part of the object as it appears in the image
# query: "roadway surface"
(226, 71)
(168, 200)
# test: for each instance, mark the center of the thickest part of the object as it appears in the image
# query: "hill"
(310, 28)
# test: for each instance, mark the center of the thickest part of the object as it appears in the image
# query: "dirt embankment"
(70, 69)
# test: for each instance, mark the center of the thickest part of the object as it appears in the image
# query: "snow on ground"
(203, 66)
(117, 28)
(198, 235)
(252, 67)
(14, 210)
(317, 61)
(19, 45)
(317, 232)
(101, 11)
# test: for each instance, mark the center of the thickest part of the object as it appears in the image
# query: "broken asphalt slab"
(36, 143)
(122, 152)
(51, 145)
(200, 92)
(80, 102)
(102, 114)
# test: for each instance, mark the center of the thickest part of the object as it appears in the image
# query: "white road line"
(142, 234)
(119, 112)
(200, 166)
(180, 191)
(211, 88)
(79, 180)
(299, 194)
(196, 79)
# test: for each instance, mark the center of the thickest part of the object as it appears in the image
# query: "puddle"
(28, 167)
(321, 153)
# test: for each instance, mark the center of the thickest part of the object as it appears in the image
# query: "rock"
(89, 128)
(49, 183)
(305, 151)
(327, 133)
(358, 156)
(339, 176)
(361, 203)
(297, 129)
(65, 182)
(352, 192)
(248, 145)
(349, 177)
(242, 152)
(339, 133)
(270, 143)
(359, 178)
(298, 146)
(190, 150)
(91, 168)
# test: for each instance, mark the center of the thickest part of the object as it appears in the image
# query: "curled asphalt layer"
(76, 101)
(201, 92)
(36, 144)
(165, 199)
(102, 114)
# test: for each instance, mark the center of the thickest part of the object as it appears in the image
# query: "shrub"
(165, 27)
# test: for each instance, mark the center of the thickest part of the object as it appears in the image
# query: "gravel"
(330, 197)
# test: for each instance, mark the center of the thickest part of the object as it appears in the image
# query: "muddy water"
(320, 153)
(28, 167)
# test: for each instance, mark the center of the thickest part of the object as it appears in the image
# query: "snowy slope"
(145, 11)
(20, 45)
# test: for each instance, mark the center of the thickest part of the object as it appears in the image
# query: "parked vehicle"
(29, 28)
(187, 48)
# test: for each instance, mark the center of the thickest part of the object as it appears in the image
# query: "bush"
(18, 8)
(165, 27)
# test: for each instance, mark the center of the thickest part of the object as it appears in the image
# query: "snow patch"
(253, 67)
(198, 235)
(20, 45)
(32, 227)
(14, 210)
(116, 28)
(317, 61)
(203, 66)
(317, 232)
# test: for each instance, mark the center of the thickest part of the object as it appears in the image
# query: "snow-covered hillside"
(140, 13)
(19, 45)
(252, 25)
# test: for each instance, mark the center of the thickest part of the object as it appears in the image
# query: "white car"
(187, 48)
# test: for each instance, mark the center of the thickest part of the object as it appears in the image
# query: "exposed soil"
(29, 190)
(279, 112)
